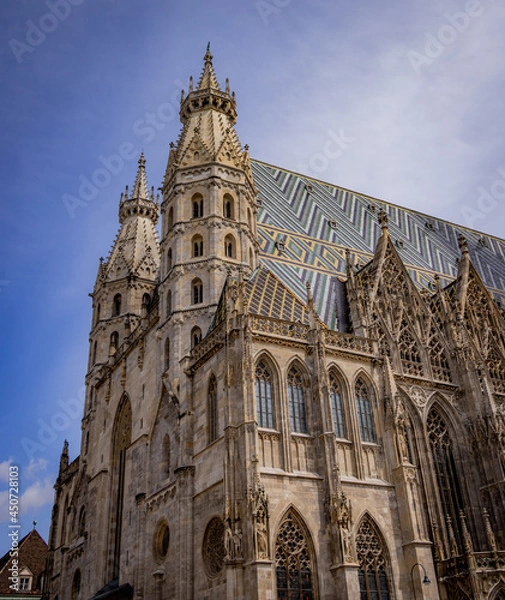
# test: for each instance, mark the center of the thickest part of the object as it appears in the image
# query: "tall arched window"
(197, 291)
(114, 342)
(76, 585)
(212, 409)
(296, 397)
(197, 246)
(146, 302)
(449, 490)
(166, 354)
(81, 529)
(165, 458)
(336, 406)
(294, 566)
(121, 441)
(229, 246)
(116, 305)
(97, 313)
(365, 413)
(64, 518)
(197, 206)
(169, 259)
(409, 353)
(373, 571)
(93, 355)
(228, 207)
(170, 221)
(264, 404)
(196, 336)
(169, 303)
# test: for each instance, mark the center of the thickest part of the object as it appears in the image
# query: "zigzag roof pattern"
(318, 221)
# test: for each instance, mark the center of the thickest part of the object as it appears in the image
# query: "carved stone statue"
(401, 433)
(259, 504)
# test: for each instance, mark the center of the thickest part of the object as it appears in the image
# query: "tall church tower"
(125, 283)
(208, 212)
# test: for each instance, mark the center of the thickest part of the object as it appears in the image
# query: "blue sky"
(403, 101)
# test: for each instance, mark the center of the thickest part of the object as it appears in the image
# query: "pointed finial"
(463, 244)
(190, 88)
(227, 85)
(34, 524)
(64, 457)
(140, 186)
(208, 56)
(382, 216)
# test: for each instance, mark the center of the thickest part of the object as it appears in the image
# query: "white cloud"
(4, 469)
(33, 470)
(37, 495)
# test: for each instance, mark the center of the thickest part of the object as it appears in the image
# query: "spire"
(140, 186)
(208, 115)
(136, 248)
(208, 78)
(64, 457)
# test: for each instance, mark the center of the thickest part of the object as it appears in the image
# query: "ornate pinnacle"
(208, 56)
(383, 218)
(489, 531)
(463, 243)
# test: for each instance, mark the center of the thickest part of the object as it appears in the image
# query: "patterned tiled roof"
(268, 296)
(317, 222)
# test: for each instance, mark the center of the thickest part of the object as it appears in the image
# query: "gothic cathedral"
(295, 392)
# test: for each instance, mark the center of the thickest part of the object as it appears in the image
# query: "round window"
(161, 540)
(213, 550)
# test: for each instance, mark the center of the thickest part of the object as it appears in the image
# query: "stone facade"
(236, 446)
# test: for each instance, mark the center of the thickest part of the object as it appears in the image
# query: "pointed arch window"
(296, 398)
(229, 246)
(212, 409)
(196, 336)
(116, 305)
(165, 460)
(374, 580)
(76, 585)
(121, 442)
(337, 410)
(294, 567)
(146, 304)
(97, 313)
(449, 490)
(197, 291)
(197, 206)
(114, 342)
(365, 413)
(171, 217)
(228, 207)
(169, 259)
(409, 353)
(264, 403)
(169, 303)
(82, 522)
(166, 354)
(197, 246)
